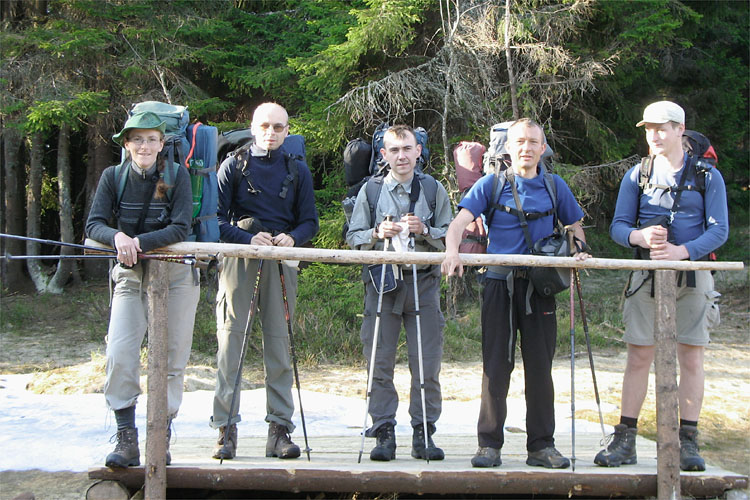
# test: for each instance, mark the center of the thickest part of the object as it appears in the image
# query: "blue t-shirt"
(701, 222)
(505, 233)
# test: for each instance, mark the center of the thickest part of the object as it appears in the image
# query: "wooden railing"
(665, 332)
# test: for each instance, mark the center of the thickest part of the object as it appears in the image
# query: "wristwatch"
(426, 230)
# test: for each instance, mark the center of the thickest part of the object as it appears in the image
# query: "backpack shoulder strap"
(373, 186)
(430, 186)
(170, 177)
(292, 174)
(121, 178)
(497, 187)
(549, 183)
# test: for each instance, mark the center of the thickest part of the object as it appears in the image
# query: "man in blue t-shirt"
(698, 226)
(509, 301)
(259, 204)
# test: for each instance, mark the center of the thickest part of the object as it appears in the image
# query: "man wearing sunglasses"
(260, 205)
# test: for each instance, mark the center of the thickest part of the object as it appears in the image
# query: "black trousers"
(538, 334)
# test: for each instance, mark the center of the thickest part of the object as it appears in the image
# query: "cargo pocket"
(713, 317)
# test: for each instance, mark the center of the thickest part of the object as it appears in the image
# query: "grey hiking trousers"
(128, 322)
(236, 283)
(399, 308)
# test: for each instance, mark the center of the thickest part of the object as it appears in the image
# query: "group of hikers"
(679, 215)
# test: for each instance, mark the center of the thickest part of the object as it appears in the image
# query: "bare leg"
(692, 377)
(635, 380)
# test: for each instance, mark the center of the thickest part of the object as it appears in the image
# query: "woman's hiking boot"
(385, 444)
(417, 444)
(226, 446)
(126, 452)
(690, 459)
(279, 442)
(621, 449)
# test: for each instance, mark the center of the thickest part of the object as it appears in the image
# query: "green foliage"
(329, 300)
(380, 27)
(43, 115)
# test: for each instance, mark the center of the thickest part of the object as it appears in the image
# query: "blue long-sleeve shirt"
(294, 215)
(701, 222)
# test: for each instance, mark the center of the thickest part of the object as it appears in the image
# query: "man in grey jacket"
(418, 206)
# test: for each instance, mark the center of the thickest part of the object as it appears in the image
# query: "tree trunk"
(65, 268)
(509, 62)
(34, 211)
(13, 277)
(100, 156)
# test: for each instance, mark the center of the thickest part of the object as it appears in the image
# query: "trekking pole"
(588, 348)
(294, 354)
(178, 259)
(376, 330)
(572, 373)
(56, 243)
(419, 354)
(248, 328)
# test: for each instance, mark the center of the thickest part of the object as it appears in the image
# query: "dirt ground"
(66, 364)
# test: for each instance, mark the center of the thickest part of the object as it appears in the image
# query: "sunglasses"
(277, 127)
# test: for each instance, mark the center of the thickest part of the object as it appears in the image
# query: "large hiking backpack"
(467, 157)
(193, 147)
(701, 159)
(201, 161)
(293, 148)
(363, 160)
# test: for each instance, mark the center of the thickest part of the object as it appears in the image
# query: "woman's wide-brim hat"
(145, 120)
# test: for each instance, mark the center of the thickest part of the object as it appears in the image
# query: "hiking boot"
(486, 457)
(385, 447)
(226, 446)
(621, 449)
(690, 460)
(279, 443)
(549, 458)
(126, 451)
(417, 444)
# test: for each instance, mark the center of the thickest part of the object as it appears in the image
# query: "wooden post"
(156, 416)
(667, 401)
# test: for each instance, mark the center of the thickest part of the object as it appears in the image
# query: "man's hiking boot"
(226, 446)
(486, 457)
(279, 442)
(417, 444)
(385, 447)
(621, 449)
(548, 457)
(126, 451)
(690, 459)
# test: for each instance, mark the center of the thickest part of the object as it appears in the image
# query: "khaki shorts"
(697, 310)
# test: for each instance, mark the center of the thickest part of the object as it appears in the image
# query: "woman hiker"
(153, 210)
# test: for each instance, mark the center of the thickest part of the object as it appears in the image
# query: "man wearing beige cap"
(669, 207)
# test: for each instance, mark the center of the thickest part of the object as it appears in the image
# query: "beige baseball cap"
(662, 112)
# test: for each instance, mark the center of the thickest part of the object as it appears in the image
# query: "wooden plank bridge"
(657, 473)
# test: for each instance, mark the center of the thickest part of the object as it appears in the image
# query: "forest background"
(585, 69)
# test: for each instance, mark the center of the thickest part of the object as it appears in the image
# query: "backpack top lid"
(177, 118)
(697, 145)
